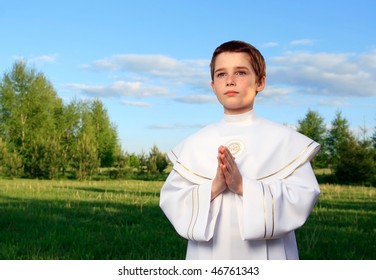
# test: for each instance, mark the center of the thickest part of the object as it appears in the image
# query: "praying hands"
(228, 175)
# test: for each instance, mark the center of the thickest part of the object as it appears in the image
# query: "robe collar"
(245, 118)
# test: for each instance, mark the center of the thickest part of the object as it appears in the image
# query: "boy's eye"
(240, 73)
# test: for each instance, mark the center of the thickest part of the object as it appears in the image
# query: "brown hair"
(256, 59)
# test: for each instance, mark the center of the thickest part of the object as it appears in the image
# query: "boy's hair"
(255, 57)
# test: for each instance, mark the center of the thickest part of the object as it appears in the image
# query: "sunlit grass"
(342, 225)
(122, 220)
(84, 220)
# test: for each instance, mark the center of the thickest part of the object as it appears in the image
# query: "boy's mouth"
(231, 93)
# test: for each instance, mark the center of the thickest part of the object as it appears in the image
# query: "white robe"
(279, 190)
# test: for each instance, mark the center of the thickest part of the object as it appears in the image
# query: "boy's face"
(234, 82)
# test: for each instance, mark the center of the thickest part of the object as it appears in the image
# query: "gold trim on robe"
(298, 157)
(271, 194)
(289, 164)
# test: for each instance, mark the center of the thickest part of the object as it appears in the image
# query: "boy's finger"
(229, 156)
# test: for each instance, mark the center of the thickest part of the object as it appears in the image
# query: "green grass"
(121, 220)
(85, 220)
(342, 225)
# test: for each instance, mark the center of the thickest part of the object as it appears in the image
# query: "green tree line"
(350, 158)
(41, 137)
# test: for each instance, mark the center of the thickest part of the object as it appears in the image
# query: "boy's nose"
(230, 80)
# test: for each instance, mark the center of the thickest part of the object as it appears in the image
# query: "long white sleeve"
(188, 207)
(271, 210)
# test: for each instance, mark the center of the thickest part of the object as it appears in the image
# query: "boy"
(239, 188)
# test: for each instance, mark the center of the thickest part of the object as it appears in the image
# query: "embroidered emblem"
(235, 147)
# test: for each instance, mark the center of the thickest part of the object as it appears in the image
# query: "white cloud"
(333, 102)
(150, 75)
(40, 59)
(135, 103)
(197, 99)
(338, 74)
(270, 45)
(120, 88)
(332, 75)
(368, 60)
(277, 91)
(156, 66)
(276, 94)
(302, 42)
(152, 64)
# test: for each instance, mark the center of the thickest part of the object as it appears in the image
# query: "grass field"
(121, 220)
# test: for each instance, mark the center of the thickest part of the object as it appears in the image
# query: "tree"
(85, 160)
(13, 165)
(312, 125)
(28, 116)
(106, 135)
(157, 161)
(10, 161)
(373, 143)
(69, 131)
(337, 137)
(352, 160)
(133, 161)
(46, 138)
(85, 157)
(143, 163)
(357, 162)
(120, 165)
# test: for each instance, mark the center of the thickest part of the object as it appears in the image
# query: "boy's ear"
(261, 84)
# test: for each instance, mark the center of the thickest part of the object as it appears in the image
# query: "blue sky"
(148, 60)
